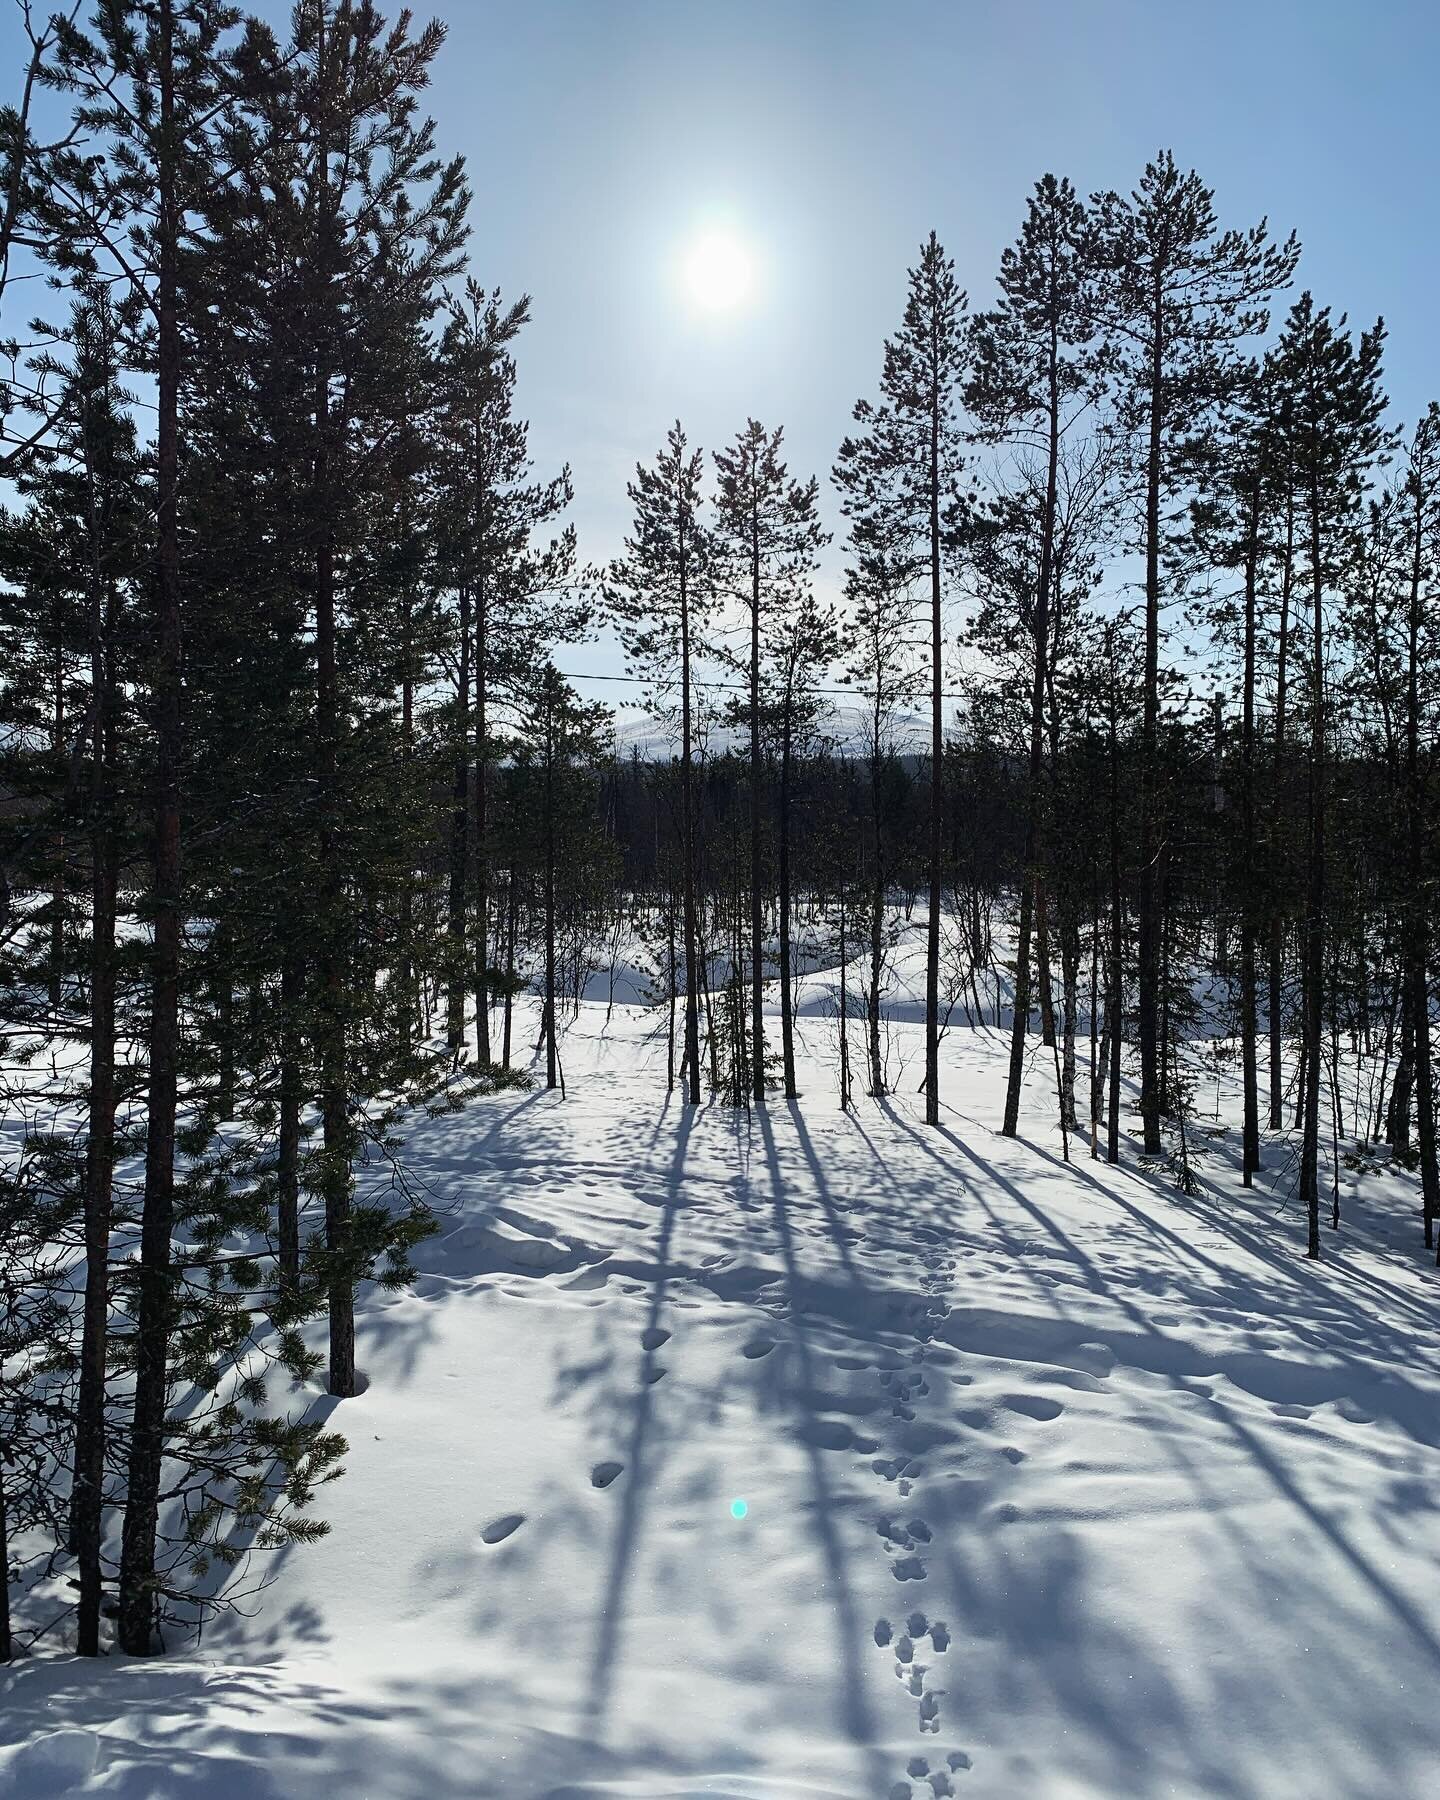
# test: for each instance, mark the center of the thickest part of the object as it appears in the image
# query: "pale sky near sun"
(826, 137)
(629, 155)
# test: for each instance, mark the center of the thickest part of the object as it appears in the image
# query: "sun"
(718, 271)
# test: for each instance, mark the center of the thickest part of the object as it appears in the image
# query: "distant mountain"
(846, 725)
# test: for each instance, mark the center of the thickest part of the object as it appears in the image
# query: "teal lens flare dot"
(738, 1509)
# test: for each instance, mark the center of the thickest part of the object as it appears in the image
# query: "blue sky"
(836, 133)
(833, 134)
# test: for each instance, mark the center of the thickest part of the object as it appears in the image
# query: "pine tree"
(1177, 296)
(1236, 518)
(513, 594)
(803, 638)
(154, 84)
(765, 538)
(659, 596)
(1334, 412)
(378, 221)
(883, 664)
(1033, 380)
(900, 473)
(561, 743)
(1422, 509)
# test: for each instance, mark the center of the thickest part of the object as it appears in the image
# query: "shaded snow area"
(1050, 1481)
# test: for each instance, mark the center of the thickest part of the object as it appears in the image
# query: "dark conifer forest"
(1115, 737)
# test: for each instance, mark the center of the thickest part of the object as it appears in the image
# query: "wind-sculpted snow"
(799, 1456)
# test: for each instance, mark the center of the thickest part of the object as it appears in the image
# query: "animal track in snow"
(758, 1347)
(939, 1779)
(653, 1336)
(913, 1673)
(499, 1529)
(904, 1537)
(604, 1473)
(1033, 1406)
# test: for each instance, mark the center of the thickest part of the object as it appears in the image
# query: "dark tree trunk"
(787, 1019)
(1043, 982)
(1417, 935)
(512, 908)
(757, 923)
(1115, 999)
(1397, 1118)
(482, 824)
(1249, 1078)
(408, 1009)
(672, 987)
(1277, 814)
(551, 1052)
(334, 937)
(154, 1302)
(1314, 978)
(7, 1647)
(292, 1098)
(334, 1097)
(1070, 980)
(877, 922)
(87, 1499)
(1151, 838)
(56, 959)
(937, 768)
(459, 841)
(844, 1007)
(691, 1067)
(1020, 1020)
(1034, 800)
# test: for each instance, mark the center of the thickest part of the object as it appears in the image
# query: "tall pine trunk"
(1314, 974)
(1151, 1073)
(292, 1097)
(1040, 633)
(512, 908)
(757, 942)
(1249, 1080)
(1418, 935)
(787, 1008)
(7, 1646)
(1115, 998)
(459, 840)
(1277, 814)
(87, 1495)
(687, 814)
(551, 1052)
(335, 1161)
(154, 1303)
(877, 920)
(482, 823)
(1070, 979)
(937, 758)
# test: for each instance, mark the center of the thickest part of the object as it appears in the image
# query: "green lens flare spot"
(739, 1508)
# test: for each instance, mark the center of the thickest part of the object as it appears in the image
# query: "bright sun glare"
(718, 271)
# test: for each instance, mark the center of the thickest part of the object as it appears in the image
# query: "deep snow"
(1055, 1483)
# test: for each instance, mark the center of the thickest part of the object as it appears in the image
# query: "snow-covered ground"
(791, 1454)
